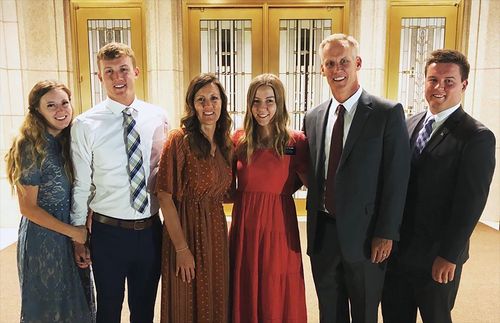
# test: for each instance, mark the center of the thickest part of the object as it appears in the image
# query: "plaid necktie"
(138, 194)
(424, 135)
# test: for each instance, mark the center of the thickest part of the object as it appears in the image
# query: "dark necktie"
(138, 194)
(336, 145)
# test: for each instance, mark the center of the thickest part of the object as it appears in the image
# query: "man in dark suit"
(360, 162)
(451, 172)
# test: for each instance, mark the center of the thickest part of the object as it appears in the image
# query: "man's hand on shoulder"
(381, 249)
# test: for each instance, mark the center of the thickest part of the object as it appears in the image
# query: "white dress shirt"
(350, 106)
(100, 159)
(440, 118)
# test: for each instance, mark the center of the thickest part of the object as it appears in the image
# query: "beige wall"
(164, 56)
(482, 96)
(372, 42)
(27, 56)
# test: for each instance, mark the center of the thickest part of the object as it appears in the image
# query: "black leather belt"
(126, 224)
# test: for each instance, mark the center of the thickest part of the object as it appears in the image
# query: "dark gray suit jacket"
(448, 189)
(371, 179)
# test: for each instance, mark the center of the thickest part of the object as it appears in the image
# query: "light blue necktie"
(138, 194)
(424, 135)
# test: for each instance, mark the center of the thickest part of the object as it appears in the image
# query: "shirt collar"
(117, 107)
(350, 103)
(443, 115)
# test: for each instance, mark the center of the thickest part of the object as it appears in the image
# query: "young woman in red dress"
(267, 279)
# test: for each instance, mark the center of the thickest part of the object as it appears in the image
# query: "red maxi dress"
(267, 278)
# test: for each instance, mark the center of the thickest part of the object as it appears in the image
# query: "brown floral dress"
(198, 187)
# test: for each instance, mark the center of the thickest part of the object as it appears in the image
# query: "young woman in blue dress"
(39, 169)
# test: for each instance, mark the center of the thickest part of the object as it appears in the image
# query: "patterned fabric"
(138, 194)
(198, 187)
(424, 135)
(53, 288)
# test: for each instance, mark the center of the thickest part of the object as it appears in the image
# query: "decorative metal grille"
(419, 37)
(102, 32)
(226, 50)
(299, 65)
(300, 68)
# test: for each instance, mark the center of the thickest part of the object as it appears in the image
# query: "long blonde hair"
(281, 135)
(32, 138)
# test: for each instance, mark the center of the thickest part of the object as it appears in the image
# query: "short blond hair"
(353, 43)
(115, 50)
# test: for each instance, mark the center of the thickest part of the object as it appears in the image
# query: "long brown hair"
(198, 143)
(281, 135)
(32, 137)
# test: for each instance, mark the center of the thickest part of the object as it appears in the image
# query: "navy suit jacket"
(447, 192)
(371, 178)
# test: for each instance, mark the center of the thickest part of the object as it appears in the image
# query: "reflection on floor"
(7, 237)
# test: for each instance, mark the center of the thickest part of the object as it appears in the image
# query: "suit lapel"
(363, 110)
(321, 121)
(444, 130)
(413, 128)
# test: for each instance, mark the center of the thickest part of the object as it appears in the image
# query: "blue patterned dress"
(53, 288)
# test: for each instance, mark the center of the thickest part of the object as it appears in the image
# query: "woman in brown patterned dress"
(193, 178)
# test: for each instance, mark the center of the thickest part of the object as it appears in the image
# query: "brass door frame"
(452, 11)
(265, 63)
(83, 10)
(270, 13)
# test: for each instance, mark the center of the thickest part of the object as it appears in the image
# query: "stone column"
(482, 96)
(165, 56)
(372, 18)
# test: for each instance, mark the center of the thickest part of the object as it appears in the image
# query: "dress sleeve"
(172, 160)
(236, 136)
(302, 157)
(31, 173)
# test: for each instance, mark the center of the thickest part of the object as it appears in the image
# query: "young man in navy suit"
(451, 171)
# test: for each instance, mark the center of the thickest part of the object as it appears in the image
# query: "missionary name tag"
(290, 150)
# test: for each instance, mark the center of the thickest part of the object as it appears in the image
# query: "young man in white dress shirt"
(126, 239)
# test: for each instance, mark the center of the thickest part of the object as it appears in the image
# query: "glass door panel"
(95, 28)
(227, 45)
(239, 43)
(102, 32)
(419, 37)
(295, 58)
(413, 34)
(227, 42)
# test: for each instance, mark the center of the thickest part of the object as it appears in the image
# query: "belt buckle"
(139, 225)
